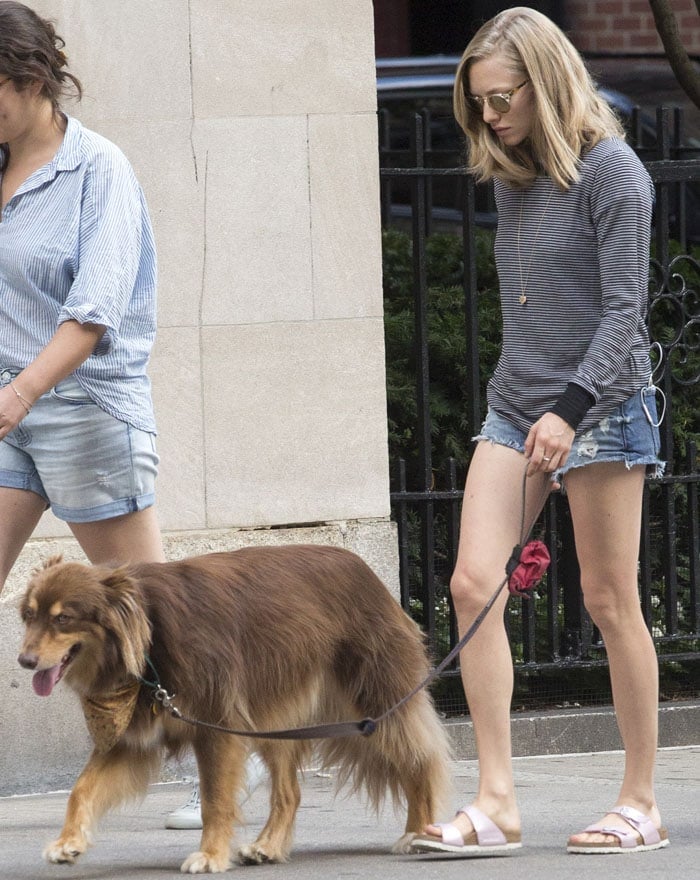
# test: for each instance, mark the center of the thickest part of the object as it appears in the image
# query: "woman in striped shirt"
(77, 316)
(571, 403)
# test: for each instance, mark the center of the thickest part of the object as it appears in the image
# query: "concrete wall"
(251, 125)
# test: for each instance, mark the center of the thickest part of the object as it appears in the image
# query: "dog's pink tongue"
(43, 682)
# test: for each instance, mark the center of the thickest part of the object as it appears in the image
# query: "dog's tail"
(407, 757)
(408, 754)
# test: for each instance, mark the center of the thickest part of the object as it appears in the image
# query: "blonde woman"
(571, 401)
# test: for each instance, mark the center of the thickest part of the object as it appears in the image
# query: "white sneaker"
(255, 774)
(188, 817)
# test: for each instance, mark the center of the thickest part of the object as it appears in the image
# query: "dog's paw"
(403, 844)
(64, 851)
(255, 854)
(204, 863)
(250, 854)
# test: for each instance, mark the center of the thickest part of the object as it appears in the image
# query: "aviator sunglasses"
(500, 102)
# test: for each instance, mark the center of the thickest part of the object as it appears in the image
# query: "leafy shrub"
(447, 342)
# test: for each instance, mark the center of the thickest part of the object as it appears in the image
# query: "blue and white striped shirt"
(76, 243)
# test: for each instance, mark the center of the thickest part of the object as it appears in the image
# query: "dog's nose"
(28, 661)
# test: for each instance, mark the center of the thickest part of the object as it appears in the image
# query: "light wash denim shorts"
(83, 462)
(630, 434)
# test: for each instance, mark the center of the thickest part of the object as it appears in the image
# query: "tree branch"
(683, 68)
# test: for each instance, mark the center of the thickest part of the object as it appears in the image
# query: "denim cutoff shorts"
(83, 462)
(630, 433)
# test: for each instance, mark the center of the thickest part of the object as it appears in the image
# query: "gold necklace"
(522, 299)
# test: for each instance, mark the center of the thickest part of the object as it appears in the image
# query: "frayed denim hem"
(655, 467)
(501, 441)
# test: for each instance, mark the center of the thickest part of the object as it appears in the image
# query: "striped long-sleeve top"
(76, 243)
(581, 258)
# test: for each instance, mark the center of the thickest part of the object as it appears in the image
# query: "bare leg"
(605, 501)
(20, 511)
(490, 528)
(134, 537)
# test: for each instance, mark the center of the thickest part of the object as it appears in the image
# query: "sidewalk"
(339, 838)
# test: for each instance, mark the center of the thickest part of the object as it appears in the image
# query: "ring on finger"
(546, 458)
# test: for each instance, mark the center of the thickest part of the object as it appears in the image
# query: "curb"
(570, 731)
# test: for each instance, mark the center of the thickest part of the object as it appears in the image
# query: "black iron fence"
(426, 191)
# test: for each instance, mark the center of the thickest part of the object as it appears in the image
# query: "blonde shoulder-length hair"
(570, 116)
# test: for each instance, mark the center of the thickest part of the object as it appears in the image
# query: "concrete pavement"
(340, 838)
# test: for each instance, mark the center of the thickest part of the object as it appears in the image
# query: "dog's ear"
(57, 559)
(124, 616)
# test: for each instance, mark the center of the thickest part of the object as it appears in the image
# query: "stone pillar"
(251, 125)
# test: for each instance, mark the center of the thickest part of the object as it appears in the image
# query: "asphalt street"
(338, 837)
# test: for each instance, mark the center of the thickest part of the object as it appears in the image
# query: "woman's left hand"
(548, 444)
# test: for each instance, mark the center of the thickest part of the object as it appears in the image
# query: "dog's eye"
(61, 619)
(27, 615)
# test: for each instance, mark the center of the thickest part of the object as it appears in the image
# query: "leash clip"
(166, 701)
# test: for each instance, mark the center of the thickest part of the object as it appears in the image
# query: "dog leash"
(367, 726)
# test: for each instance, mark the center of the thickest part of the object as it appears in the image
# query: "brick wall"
(627, 26)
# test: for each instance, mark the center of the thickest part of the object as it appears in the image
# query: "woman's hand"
(548, 444)
(70, 345)
(12, 409)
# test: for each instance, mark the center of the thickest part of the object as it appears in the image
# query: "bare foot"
(613, 820)
(508, 820)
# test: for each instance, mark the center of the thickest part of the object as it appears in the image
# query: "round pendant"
(522, 299)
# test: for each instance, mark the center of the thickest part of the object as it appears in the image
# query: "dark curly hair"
(31, 51)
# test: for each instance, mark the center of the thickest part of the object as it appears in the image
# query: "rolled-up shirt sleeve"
(109, 248)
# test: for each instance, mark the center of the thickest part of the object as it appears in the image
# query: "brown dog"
(260, 639)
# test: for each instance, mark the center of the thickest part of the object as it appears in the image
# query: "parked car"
(411, 84)
(423, 85)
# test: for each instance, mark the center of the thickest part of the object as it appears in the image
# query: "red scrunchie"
(526, 566)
